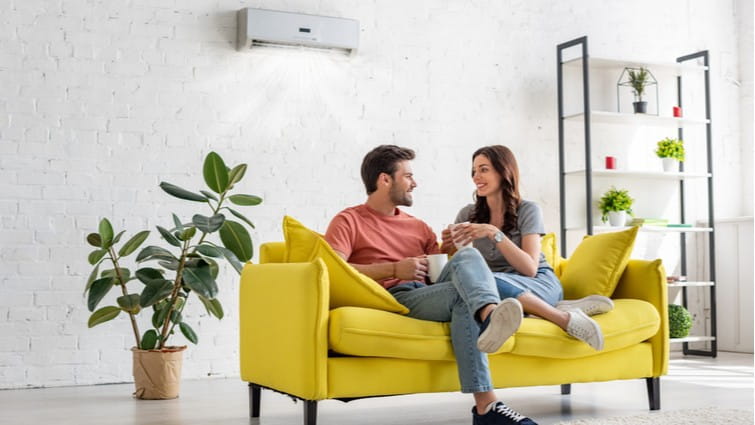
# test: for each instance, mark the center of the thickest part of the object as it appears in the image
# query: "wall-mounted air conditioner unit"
(269, 27)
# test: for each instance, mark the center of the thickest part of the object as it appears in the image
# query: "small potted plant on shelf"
(679, 321)
(671, 151)
(639, 79)
(614, 206)
(186, 266)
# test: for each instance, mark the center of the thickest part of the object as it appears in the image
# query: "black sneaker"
(500, 414)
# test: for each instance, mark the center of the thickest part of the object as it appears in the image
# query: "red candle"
(610, 162)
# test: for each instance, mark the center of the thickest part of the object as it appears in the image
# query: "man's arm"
(412, 268)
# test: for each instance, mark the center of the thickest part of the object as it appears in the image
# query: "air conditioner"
(269, 27)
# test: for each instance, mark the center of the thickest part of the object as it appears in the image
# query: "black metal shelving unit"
(587, 118)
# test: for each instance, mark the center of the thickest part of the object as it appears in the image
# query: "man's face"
(402, 184)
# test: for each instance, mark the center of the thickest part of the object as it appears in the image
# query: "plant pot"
(640, 107)
(617, 218)
(157, 373)
(670, 165)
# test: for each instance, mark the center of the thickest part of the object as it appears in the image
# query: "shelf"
(692, 339)
(650, 229)
(608, 63)
(640, 174)
(687, 284)
(633, 119)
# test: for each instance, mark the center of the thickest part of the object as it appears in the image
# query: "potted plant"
(186, 265)
(638, 80)
(614, 206)
(679, 320)
(671, 151)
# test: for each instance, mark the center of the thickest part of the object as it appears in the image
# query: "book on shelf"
(678, 225)
(639, 221)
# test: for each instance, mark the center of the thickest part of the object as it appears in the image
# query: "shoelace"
(506, 411)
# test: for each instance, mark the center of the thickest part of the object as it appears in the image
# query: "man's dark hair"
(382, 159)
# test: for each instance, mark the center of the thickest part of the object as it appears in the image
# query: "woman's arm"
(525, 259)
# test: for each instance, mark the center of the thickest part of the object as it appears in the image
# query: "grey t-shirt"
(529, 221)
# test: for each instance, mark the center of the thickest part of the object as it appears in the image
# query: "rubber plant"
(186, 265)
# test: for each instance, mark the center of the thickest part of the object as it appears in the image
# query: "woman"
(507, 230)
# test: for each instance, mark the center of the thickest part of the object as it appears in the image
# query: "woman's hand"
(465, 233)
(448, 243)
(412, 268)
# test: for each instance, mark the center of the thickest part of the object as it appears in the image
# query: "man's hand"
(412, 268)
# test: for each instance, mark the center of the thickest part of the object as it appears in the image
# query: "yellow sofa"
(294, 343)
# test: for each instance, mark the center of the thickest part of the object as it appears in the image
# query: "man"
(391, 246)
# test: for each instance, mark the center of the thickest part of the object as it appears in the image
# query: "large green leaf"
(188, 332)
(155, 291)
(235, 175)
(132, 244)
(209, 250)
(187, 233)
(208, 224)
(158, 319)
(176, 317)
(147, 274)
(181, 193)
(96, 255)
(106, 233)
(129, 303)
(213, 306)
(98, 290)
(177, 222)
(209, 195)
(245, 199)
(117, 237)
(152, 252)
(237, 239)
(168, 236)
(149, 340)
(170, 264)
(215, 172)
(231, 257)
(199, 279)
(103, 315)
(92, 277)
(125, 274)
(240, 216)
(94, 240)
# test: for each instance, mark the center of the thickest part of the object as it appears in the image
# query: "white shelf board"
(639, 174)
(599, 62)
(634, 119)
(692, 339)
(653, 229)
(683, 284)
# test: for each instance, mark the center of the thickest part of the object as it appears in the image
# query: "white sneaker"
(591, 305)
(585, 329)
(500, 324)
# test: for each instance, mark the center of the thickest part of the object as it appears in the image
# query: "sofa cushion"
(348, 287)
(629, 323)
(372, 333)
(597, 264)
(550, 249)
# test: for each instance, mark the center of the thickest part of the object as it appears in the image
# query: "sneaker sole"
(504, 321)
(591, 305)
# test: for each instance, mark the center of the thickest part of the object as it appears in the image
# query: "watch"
(498, 237)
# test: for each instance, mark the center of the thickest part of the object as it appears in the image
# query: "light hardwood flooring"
(693, 382)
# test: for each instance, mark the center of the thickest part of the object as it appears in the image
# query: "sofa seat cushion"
(629, 323)
(357, 331)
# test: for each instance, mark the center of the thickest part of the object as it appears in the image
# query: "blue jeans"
(545, 285)
(464, 286)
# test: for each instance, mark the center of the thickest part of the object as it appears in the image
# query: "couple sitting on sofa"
(482, 292)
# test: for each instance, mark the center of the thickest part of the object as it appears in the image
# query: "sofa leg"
(654, 392)
(254, 400)
(310, 412)
(565, 389)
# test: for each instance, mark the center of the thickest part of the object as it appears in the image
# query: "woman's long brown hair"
(505, 164)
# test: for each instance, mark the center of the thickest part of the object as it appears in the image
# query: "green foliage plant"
(670, 148)
(615, 200)
(186, 265)
(638, 79)
(680, 321)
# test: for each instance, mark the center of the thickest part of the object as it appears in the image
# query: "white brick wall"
(100, 101)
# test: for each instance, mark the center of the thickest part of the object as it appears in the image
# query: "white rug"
(707, 416)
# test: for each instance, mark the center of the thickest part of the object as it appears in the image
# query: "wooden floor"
(693, 382)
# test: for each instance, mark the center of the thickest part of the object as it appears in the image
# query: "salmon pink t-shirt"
(368, 237)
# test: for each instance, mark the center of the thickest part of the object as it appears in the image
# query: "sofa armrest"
(646, 280)
(283, 317)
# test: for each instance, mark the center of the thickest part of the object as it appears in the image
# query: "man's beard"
(399, 197)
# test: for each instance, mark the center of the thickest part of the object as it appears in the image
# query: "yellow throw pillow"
(550, 249)
(597, 264)
(348, 287)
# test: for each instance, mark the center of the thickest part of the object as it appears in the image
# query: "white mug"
(435, 264)
(452, 228)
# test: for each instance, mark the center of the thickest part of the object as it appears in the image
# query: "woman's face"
(485, 177)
